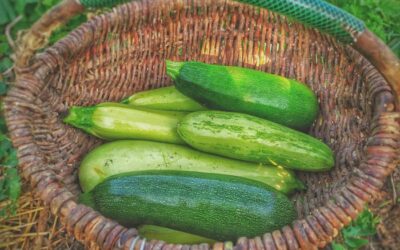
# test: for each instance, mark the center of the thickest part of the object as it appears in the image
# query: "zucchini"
(126, 156)
(216, 206)
(171, 236)
(167, 98)
(112, 121)
(275, 98)
(250, 138)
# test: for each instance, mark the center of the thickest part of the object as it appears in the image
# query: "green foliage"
(355, 235)
(3, 88)
(10, 185)
(30, 11)
(10, 188)
(380, 16)
(336, 246)
(7, 12)
(5, 51)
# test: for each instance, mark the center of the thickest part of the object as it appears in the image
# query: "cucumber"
(112, 121)
(275, 98)
(126, 156)
(152, 232)
(250, 138)
(167, 98)
(216, 206)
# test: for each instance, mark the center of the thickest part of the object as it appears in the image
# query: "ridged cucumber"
(250, 138)
(275, 98)
(221, 207)
(152, 232)
(167, 98)
(126, 156)
(112, 121)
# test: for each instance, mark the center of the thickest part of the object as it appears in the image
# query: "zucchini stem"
(125, 100)
(80, 117)
(87, 199)
(173, 68)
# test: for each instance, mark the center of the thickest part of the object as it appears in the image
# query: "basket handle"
(315, 13)
(345, 27)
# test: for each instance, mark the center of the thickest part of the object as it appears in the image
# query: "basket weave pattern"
(121, 52)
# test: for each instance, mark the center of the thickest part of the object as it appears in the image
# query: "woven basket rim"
(317, 229)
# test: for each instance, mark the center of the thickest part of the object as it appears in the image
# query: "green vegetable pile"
(209, 157)
(381, 17)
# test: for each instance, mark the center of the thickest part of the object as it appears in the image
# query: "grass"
(380, 16)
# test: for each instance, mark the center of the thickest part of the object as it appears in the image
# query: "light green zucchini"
(113, 121)
(250, 138)
(166, 98)
(126, 156)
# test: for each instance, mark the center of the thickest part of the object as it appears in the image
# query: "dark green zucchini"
(215, 206)
(275, 98)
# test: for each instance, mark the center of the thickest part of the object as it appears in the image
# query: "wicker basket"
(118, 53)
